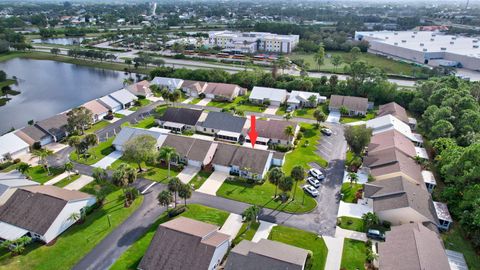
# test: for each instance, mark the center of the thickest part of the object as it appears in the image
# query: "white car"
(316, 173)
(313, 181)
(311, 190)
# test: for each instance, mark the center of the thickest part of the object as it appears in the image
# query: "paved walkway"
(335, 250)
(272, 109)
(188, 100)
(188, 173)
(263, 231)
(356, 123)
(55, 147)
(342, 233)
(232, 225)
(79, 183)
(125, 112)
(108, 160)
(57, 179)
(353, 210)
(213, 183)
(204, 102)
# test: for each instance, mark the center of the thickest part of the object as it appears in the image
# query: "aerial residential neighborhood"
(239, 135)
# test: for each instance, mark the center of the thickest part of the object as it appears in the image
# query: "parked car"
(327, 131)
(375, 234)
(311, 190)
(316, 173)
(313, 181)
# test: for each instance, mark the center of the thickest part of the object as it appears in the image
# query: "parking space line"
(327, 142)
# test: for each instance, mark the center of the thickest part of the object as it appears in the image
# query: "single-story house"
(354, 105)
(224, 126)
(110, 103)
(300, 99)
(223, 91)
(390, 163)
(272, 132)
(412, 246)
(191, 151)
(391, 139)
(170, 84)
(179, 119)
(10, 181)
(32, 134)
(266, 254)
(55, 126)
(399, 201)
(124, 97)
(187, 244)
(395, 110)
(141, 88)
(98, 110)
(245, 162)
(389, 122)
(193, 88)
(42, 212)
(12, 146)
(275, 96)
(128, 133)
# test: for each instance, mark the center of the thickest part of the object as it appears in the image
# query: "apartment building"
(251, 42)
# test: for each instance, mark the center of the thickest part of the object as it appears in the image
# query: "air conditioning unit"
(421, 44)
(432, 39)
(425, 49)
(451, 42)
(475, 46)
(396, 43)
(404, 41)
(443, 49)
(395, 33)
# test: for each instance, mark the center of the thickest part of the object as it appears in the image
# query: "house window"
(204, 129)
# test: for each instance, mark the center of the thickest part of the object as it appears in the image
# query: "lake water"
(49, 87)
(60, 41)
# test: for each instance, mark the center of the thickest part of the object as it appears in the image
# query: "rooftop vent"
(443, 49)
(413, 36)
(454, 38)
(451, 42)
(432, 39)
(396, 43)
(475, 41)
(396, 34)
(386, 37)
(415, 32)
(475, 46)
(421, 44)
(404, 41)
(425, 49)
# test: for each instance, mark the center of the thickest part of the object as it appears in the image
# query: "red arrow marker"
(252, 133)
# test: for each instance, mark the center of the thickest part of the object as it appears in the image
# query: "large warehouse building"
(251, 42)
(425, 47)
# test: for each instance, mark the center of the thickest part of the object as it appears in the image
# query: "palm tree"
(23, 168)
(123, 176)
(285, 184)
(250, 215)
(370, 219)
(289, 131)
(319, 116)
(166, 154)
(174, 186)
(42, 155)
(165, 198)
(274, 176)
(185, 192)
(287, 116)
(298, 174)
(353, 178)
(90, 141)
(68, 168)
(127, 81)
(74, 142)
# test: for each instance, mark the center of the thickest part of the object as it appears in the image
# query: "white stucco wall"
(218, 255)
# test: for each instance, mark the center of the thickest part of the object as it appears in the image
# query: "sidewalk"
(335, 251)
(79, 183)
(263, 231)
(57, 178)
(232, 225)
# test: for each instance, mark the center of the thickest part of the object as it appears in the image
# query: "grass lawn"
(143, 102)
(245, 234)
(76, 242)
(302, 155)
(132, 256)
(354, 254)
(40, 175)
(388, 65)
(347, 119)
(118, 115)
(305, 240)
(65, 181)
(154, 173)
(349, 192)
(9, 168)
(199, 179)
(97, 126)
(351, 223)
(454, 240)
(195, 100)
(305, 112)
(96, 153)
(246, 106)
(262, 195)
(147, 123)
(7, 82)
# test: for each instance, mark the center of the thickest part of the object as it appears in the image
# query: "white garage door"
(194, 163)
(220, 168)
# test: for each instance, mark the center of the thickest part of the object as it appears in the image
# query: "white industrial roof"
(10, 232)
(442, 211)
(264, 93)
(228, 134)
(173, 125)
(456, 260)
(128, 133)
(389, 122)
(428, 177)
(11, 143)
(169, 82)
(124, 96)
(297, 96)
(429, 40)
(109, 102)
(421, 152)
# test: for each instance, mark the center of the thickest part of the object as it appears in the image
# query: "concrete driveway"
(272, 109)
(188, 100)
(333, 117)
(353, 210)
(108, 160)
(232, 225)
(213, 183)
(204, 102)
(79, 183)
(188, 173)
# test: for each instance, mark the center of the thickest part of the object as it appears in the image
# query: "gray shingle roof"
(191, 148)
(245, 158)
(55, 125)
(224, 121)
(31, 134)
(273, 129)
(181, 115)
(351, 103)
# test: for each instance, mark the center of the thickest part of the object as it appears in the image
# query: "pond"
(49, 87)
(60, 41)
